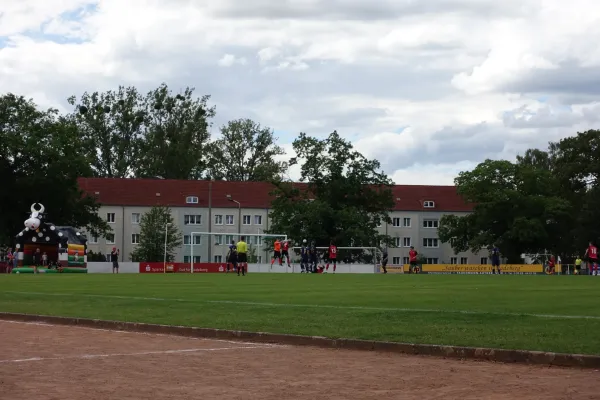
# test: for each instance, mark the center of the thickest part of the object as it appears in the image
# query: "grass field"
(547, 313)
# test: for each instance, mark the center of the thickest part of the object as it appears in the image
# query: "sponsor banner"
(393, 269)
(159, 267)
(468, 269)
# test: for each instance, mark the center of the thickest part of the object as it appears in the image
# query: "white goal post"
(238, 234)
(376, 251)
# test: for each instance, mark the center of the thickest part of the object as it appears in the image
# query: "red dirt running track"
(39, 361)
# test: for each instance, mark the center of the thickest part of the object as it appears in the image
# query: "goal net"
(201, 247)
(349, 259)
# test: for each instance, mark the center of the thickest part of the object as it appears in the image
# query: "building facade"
(211, 214)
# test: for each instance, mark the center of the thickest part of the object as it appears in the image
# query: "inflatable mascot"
(45, 247)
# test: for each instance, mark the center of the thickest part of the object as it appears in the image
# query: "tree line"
(547, 201)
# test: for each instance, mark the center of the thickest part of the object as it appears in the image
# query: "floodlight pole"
(166, 235)
(239, 214)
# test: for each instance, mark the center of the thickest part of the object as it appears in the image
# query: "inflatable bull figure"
(37, 230)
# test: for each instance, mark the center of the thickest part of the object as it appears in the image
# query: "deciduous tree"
(175, 144)
(152, 236)
(345, 196)
(517, 206)
(245, 151)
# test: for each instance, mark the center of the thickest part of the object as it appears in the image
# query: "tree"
(152, 236)
(112, 126)
(41, 158)
(517, 206)
(159, 135)
(245, 152)
(345, 198)
(177, 134)
(576, 165)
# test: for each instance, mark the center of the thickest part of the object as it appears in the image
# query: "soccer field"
(548, 313)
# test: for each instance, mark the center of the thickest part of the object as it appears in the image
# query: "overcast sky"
(429, 87)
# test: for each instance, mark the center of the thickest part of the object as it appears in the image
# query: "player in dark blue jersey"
(314, 257)
(232, 256)
(495, 255)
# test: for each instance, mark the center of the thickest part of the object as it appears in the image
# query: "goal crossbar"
(239, 234)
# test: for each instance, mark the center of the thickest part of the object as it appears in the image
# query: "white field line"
(335, 307)
(144, 333)
(143, 353)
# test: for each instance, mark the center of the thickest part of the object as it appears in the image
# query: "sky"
(429, 88)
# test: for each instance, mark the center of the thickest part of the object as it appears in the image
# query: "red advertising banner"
(158, 267)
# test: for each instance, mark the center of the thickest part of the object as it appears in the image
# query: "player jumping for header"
(591, 254)
(304, 256)
(332, 257)
(276, 253)
(384, 259)
(285, 253)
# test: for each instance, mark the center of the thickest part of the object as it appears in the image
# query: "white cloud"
(228, 60)
(465, 80)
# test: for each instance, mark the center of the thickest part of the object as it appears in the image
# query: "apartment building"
(226, 208)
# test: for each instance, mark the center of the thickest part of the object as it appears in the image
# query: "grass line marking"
(324, 306)
(143, 353)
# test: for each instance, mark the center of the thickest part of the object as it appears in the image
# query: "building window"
(187, 259)
(192, 219)
(258, 220)
(187, 239)
(483, 260)
(228, 239)
(218, 219)
(428, 204)
(453, 260)
(430, 242)
(218, 240)
(397, 242)
(135, 238)
(259, 260)
(432, 261)
(395, 260)
(406, 242)
(229, 220)
(93, 240)
(464, 260)
(135, 218)
(430, 223)
(110, 238)
(246, 219)
(110, 218)
(191, 200)
(218, 259)
(396, 222)
(405, 260)
(406, 222)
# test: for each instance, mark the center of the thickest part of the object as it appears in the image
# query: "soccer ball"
(18, 272)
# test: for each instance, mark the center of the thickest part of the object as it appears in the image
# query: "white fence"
(133, 268)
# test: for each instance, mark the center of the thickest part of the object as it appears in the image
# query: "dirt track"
(67, 363)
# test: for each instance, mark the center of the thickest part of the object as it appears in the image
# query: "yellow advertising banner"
(479, 269)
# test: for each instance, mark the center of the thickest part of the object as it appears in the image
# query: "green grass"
(466, 310)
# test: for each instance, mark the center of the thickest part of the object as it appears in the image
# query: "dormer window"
(191, 200)
(428, 204)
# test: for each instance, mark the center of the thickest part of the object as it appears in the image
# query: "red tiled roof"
(173, 193)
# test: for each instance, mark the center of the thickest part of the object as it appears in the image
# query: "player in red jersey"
(332, 257)
(412, 258)
(592, 257)
(551, 265)
(285, 252)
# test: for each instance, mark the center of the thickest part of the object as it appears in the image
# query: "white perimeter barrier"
(133, 268)
(106, 268)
